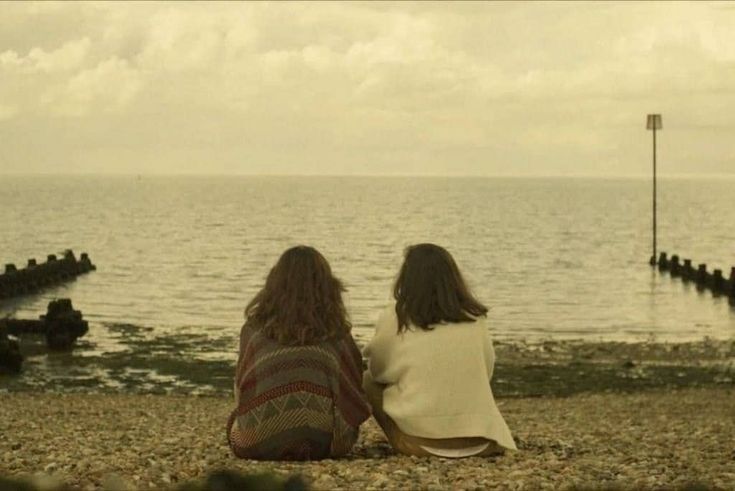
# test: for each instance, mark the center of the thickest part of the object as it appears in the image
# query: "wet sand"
(552, 368)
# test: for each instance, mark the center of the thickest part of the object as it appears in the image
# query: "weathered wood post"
(687, 271)
(53, 271)
(732, 285)
(63, 324)
(32, 275)
(663, 263)
(701, 277)
(11, 279)
(10, 357)
(674, 266)
(718, 282)
(68, 265)
(653, 122)
(85, 264)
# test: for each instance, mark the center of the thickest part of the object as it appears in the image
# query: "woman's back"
(296, 402)
(438, 380)
(298, 381)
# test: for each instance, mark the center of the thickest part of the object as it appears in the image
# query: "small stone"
(45, 482)
(324, 482)
(113, 482)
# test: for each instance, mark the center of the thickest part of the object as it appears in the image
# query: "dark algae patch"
(564, 368)
(192, 363)
(575, 378)
(140, 363)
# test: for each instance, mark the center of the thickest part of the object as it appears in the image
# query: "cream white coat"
(438, 381)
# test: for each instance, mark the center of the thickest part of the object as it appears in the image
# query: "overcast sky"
(358, 88)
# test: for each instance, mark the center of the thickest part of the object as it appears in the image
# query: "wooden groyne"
(61, 326)
(35, 276)
(714, 281)
(10, 357)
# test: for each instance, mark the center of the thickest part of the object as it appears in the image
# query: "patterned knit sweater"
(296, 402)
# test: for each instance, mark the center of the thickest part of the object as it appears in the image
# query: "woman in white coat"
(430, 364)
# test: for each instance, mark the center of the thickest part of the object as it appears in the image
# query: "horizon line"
(432, 176)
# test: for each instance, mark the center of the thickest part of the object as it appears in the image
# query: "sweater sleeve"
(242, 360)
(351, 405)
(350, 392)
(379, 350)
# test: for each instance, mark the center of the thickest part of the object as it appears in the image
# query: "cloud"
(363, 87)
(66, 58)
(7, 112)
(109, 86)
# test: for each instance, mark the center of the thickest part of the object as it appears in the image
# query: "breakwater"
(61, 326)
(35, 276)
(714, 281)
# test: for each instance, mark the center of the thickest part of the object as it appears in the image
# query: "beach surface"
(655, 439)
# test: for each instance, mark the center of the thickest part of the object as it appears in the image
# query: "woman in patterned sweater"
(298, 381)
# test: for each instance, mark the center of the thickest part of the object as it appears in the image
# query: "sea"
(553, 258)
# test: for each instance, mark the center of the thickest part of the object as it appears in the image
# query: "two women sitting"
(299, 386)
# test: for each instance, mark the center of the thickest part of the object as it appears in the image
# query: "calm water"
(553, 258)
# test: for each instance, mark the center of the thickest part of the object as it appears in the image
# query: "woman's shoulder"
(475, 328)
(387, 320)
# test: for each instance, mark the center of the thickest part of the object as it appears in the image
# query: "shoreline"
(654, 439)
(162, 365)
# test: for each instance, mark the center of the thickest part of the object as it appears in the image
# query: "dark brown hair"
(430, 289)
(301, 302)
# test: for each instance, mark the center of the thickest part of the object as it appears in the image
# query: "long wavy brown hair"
(430, 290)
(301, 302)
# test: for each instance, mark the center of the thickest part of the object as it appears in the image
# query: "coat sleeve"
(351, 406)
(379, 351)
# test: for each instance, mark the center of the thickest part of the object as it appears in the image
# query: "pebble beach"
(657, 439)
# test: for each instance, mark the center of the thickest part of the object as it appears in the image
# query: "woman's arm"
(379, 350)
(243, 345)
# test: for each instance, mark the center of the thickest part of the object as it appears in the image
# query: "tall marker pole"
(653, 122)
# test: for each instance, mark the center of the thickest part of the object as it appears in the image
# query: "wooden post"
(687, 271)
(674, 266)
(718, 282)
(85, 265)
(663, 263)
(702, 274)
(653, 122)
(654, 191)
(10, 358)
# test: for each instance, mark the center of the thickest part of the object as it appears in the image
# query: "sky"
(478, 89)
